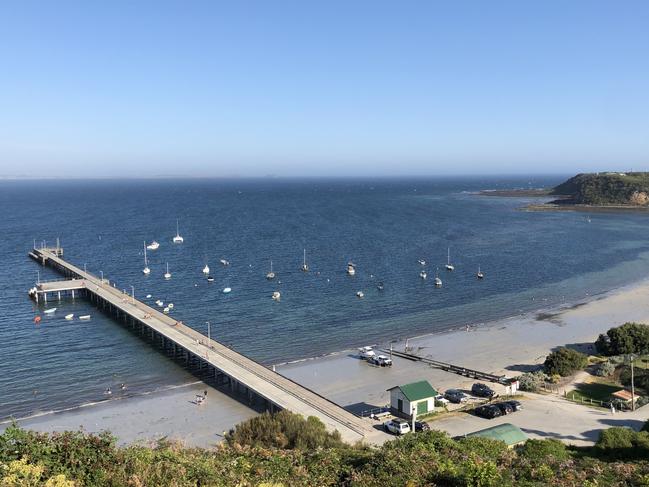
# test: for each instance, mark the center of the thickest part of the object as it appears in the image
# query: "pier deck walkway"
(275, 388)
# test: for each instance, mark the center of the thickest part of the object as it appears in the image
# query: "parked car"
(516, 405)
(504, 407)
(397, 426)
(455, 396)
(489, 411)
(421, 426)
(482, 390)
(380, 360)
(440, 400)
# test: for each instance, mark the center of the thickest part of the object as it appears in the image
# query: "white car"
(397, 426)
(380, 360)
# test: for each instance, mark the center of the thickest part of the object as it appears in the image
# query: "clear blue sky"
(246, 88)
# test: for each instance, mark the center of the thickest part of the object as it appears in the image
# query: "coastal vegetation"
(564, 362)
(605, 189)
(251, 456)
(625, 339)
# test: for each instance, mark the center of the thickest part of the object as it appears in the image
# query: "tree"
(531, 381)
(564, 362)
(625, 339)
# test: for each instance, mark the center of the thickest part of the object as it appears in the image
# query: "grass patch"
(597, 391)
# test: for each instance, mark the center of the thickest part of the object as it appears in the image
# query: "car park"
(482, 390)
(397, 426)
(488, 411)
(456, 396)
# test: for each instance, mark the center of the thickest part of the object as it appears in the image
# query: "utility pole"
(414, 416)
(133, 294)
(209, 340)
(632, 386)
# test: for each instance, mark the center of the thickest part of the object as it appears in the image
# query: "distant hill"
(605, 189)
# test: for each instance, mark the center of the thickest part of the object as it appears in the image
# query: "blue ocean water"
(531, 260)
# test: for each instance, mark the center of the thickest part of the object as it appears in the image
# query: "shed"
(624, 395)
(417, 396)
(506, 432)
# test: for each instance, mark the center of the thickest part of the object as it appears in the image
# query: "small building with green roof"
(507, 432)
(417, 397)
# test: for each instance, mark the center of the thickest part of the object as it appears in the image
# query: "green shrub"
(284, 430)
(531, 381)
(540, 450)
(605, 369)
(625, 339)
(564, 362)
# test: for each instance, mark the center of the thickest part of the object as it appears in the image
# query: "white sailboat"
(153, 245)
(167, 274)
(423, 274)
(480, 274)
(438, 281)
(351, 268)
(178, 239)
(206, 270)
(305, 267)
(277, 296)
(449, 266)
(271, 274)
(146, 269)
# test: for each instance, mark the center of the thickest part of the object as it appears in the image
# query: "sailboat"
(153, 245)
(449, 266)
(271, 274)
(423, 274)
(206, 269)
(305, 267)
(146, 269)
(351, 268)
(438, 281)
(480, 274)
(277, 296)
(178, 238)
(167, 274)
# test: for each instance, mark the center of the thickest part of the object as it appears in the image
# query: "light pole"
(84, 268)
(209, 335)
(133, 294)
(102, 276)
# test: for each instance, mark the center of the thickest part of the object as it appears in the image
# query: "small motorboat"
(69, 317)
(224, 262)
(438, 281)
(227, 290)
(422, 261)
(351, 268)
(148, 296)
(84, 317)
(159, 303)
(170, 306)
(210, 279)
(480, 274)
(423, 274)
(360, 294)
(277, 296)
(167, 274)
(166, 310)
(153, 246)
(49, 311)
(178, 239)
(206, 269)
(271, 275)
(366, 352)
(380, 286)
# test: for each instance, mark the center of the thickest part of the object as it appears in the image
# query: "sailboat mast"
(145, 262)
(304, 260)
(177, 229)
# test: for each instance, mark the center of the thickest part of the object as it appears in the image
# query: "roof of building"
(624, 395)
(507, 432)
(417, 390)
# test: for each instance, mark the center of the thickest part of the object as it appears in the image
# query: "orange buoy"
(37, 320)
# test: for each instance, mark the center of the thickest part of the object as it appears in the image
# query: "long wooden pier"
(231, 367)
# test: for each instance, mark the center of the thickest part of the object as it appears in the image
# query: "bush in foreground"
(565, 361)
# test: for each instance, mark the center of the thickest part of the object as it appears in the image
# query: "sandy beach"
(507, 346)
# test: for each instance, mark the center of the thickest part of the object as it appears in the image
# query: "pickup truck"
(380, 360)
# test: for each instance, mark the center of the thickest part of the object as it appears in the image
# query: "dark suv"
(421, 426)
(482, 390)
(489, 411)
